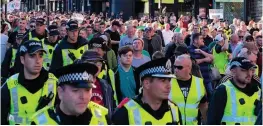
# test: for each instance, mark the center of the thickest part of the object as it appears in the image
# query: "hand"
(198, 51)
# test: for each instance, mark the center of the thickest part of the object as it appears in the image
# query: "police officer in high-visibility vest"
(69, 49)
(30, 90)
(7, 66)
(49, 45)
(74, 91)
(234, 102)
(39, 34)
(152, 106)
(188, 92)
(222, 53)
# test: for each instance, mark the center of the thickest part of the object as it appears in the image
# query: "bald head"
(234, 38)
(183, 67)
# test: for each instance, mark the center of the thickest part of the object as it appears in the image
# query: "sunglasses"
(241, 36)
(32, 26)
(178, 67)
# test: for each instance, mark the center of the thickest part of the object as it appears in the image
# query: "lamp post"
(48, 12)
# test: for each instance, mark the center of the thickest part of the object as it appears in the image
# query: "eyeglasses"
(178, 67)
(241, 37)
(32, 26)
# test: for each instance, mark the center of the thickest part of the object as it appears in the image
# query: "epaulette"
(123, 102)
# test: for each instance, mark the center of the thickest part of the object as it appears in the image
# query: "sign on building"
(216, 13)
(13, 5)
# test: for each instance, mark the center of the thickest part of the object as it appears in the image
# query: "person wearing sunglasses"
(188, 92)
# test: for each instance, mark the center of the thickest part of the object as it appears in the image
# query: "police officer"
(188, 92)
(75, 91)
(152, 106)
(70, 48)
(39, 33)
(49, 45)
(234, 102)
(31, 89)
(7, 66)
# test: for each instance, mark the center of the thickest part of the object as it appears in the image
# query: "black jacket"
(107, 93)
(57, 60)
(117, 83)
(6, 71)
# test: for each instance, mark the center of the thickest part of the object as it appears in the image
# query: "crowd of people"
(89, 69)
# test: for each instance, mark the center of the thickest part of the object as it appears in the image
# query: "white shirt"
(4, 39)
(167, 36)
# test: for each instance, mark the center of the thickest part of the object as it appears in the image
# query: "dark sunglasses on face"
(32, 26)
(240, 37)
(178, 67)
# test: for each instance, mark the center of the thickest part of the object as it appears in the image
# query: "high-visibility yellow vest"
(256, 71)
(22, 110)
(188, 108)
(33, 38)
(12, 63)
(110, 74)
(76, 52)
(138, 116)
(47, 56)
(228, 33)
(235, 113)
(99, 113)
(220, 61)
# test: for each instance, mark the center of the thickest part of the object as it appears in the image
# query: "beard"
(243, 81)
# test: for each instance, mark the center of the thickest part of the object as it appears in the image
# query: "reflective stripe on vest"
(42, 119)
(47, 56)
(12, 63)
(188, 107)
(136, 113)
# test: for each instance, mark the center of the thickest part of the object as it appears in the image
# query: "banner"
(13, 5)
(216, 13)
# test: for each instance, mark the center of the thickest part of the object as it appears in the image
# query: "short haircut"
(157, 55)
(124, 50)
(83, 29)
(195, 36)
(204, 27)
(259, 36)
(102, 23)
(249, 37)
(89, 27)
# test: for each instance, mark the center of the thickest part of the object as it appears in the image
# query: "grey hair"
(184, 56)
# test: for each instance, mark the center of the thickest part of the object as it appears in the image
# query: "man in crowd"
(83, 32)
(21, 29)
(101, 31)
(128, 39)
(125, 78)
(167, 34)
(203, 58)
(207, 38)
(114, 35)
(187, 86)
(89, 33)
(152, 42)
(138, 57)
(62, 31)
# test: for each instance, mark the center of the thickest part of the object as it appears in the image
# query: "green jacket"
(111, 59)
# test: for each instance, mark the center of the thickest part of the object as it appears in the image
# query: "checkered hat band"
(154, 70)
(71, 77)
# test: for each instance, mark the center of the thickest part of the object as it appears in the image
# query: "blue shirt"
(204, 67)
(127, 83)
